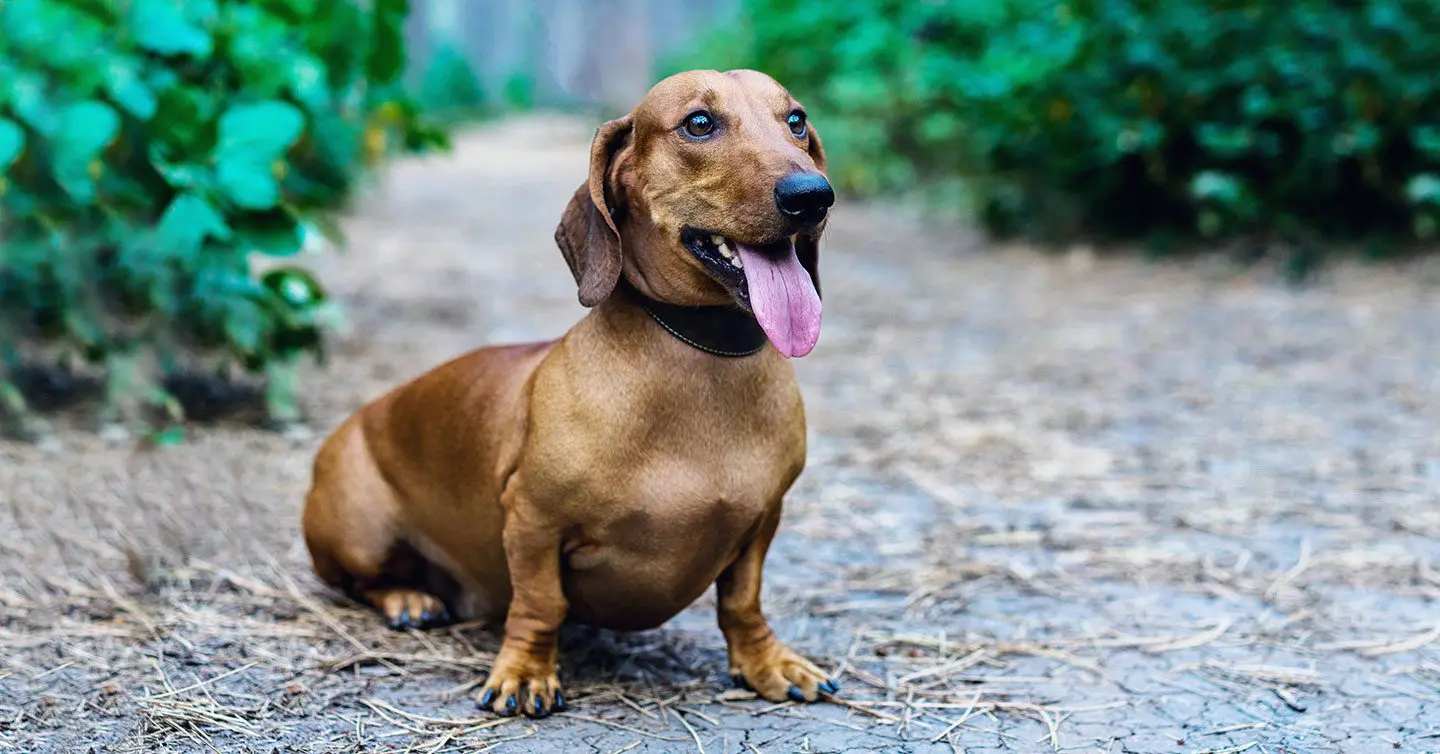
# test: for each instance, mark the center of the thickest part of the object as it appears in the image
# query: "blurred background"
(156, 154)
(1122, 422)
(560, 53)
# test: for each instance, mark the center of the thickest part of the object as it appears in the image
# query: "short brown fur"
(613, 475)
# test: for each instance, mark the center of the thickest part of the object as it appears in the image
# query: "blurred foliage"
(519, 91)
(450, 85)
(1122, 118)
(451, 89)
(151, 151)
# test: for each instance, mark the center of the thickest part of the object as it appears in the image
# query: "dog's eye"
(699, 125)
(796, 122)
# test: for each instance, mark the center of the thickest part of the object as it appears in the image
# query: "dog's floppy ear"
(588, 235)
(807, 248)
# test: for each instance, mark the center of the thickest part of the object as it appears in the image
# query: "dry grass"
(1052, 503)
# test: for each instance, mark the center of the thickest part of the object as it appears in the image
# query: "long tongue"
(783, 297)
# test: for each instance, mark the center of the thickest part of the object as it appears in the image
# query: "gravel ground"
(1073, 502)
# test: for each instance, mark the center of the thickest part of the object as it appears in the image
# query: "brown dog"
(611, 476)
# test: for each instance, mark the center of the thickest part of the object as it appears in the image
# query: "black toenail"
(426, 617)
(559, 702)
(511, 703)
(830, 687)
(405, 618)
(738, 680)
(795, 694)
(540, 707)
(487, 698)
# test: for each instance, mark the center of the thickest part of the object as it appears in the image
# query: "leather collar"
(719, 330)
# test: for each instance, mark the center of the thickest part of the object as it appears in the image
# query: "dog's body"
(646, 532)
(613, 475)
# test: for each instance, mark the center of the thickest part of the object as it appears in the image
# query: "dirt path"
(1052, 502)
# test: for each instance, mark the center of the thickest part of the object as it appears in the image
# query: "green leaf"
(161, 26)
(84, 130)
(26, 93)
(181, 176)
(124, 85)
(326, 227)
(277, 233)
(1222, 190)
(263, 129)
(251, 185)
(167, 437)
(1424, 190)
(202, 12)
(252, 138)
(1427, 141)
(183, 119)
(1225, 142)
(291, 9)
(259, 48)
(387, 42)
(1359, 139)
(282, 399)
(83, 329)
(187, 222)
(245, 326)
(307, 82)
(12, 142)
(294, 286)
(28, 24)
(302, 7)
(67, 41)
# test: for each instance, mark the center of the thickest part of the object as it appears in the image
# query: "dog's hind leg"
(407, 608)
(357, 543)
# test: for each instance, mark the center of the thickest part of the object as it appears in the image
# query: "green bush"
(151, 151)
(1124, 118)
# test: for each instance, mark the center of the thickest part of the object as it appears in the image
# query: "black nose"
(804, 196)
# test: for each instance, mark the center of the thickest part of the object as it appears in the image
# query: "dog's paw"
(778, 673)
(407, 608)
(520, 683)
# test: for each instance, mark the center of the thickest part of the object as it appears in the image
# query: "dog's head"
(712, 191)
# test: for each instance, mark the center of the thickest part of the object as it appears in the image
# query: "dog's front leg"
(758, 659)
(523, 677)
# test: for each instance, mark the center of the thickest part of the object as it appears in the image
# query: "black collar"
(719, 330)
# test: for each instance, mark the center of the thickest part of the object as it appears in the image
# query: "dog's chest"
(661, 478)
(679, 492)
(692, 508)
(673, 460)
(704, 492)
(661, 542)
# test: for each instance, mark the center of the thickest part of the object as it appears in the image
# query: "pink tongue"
(783, 298)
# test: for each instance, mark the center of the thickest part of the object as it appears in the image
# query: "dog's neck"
(718, 330)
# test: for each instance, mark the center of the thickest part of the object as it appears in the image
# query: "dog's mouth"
(767, 280)
(721, 258)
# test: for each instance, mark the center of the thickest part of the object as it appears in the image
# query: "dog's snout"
(804, 196)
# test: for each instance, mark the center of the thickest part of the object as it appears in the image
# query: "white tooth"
(718, 240)
(739, 265)
(725, 252)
